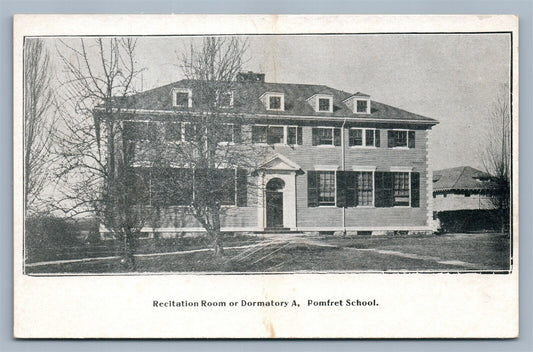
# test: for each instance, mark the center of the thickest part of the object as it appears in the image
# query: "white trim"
(362, 228)
(326, 167)
(293, 166)
(401, 169)
(265, 98)
(363, 145)
(182, 90)
(230, 99)
(364, 168)
(314, 100)
(332, 136)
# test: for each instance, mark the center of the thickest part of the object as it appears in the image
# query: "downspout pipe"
(343, 167)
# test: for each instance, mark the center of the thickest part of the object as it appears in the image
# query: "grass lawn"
(326, 253)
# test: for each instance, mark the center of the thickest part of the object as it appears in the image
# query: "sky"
(453, 78)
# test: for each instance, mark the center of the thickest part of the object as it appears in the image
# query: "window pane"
(364, 188)
(361, 106)
(259, 134)
(182, 99)
(275, 103)
(369, 138)
(225, 99)
(173, 132)
(326, 187)
(325, 136)
(401, 188)
(275, 135)
(189, 132)
(323, 104)
(356, 137)
(400, 138)
(291, 135)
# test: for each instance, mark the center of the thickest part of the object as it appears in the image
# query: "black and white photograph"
(249, 154)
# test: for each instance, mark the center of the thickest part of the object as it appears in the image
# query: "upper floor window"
(182, 97)
(321, 102)
(225, 99)
(274, 101)
(362, 106)
(140, 130)
(359, 137)
(327, 136)
(324, 104)
(291, 135)
(225, 133)
(401, 139)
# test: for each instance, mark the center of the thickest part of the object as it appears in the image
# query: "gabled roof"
(461, 178)
(247, 101)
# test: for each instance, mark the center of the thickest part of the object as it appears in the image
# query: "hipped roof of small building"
(246, 99)
(461, 178)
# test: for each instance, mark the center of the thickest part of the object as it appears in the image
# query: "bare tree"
(39, 116)
(95, 166)
(496, 156)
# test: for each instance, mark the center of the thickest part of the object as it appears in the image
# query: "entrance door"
(274, 209)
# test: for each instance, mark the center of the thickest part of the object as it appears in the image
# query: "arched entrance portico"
(277, 193)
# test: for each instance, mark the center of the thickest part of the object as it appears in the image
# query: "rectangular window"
(364, 188)
(401, 139)
(274, 103)
(140, 130)
(327, 136)
(401, 188)
(275, 135)
(170, 186)
(355, 137)
(173, 132)
(189, 132)
(361, 105)
(358, 137)
(294, 135)
(259, 134)
(225, 100)
(326, 187)
(320, 188)
(324, 104)
(181, 99)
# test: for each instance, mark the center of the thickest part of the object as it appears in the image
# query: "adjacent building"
(332, 161)
(463, 200)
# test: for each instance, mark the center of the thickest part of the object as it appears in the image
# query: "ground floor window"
(166, 186)
(321, 188)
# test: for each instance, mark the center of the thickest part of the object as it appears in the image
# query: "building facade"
(330, 160)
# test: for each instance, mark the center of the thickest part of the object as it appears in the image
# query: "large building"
(332, 161)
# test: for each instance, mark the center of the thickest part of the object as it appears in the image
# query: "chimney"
(250, 77)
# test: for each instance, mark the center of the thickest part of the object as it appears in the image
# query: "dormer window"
(362, 106)
(321, 102)
(181, 98)
(359, 103)
(225, 99)
(324, 104)
(274, 101)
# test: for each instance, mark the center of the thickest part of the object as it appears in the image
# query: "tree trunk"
(217, 241)
(129, 251)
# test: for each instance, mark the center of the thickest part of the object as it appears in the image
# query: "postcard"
(265, 176)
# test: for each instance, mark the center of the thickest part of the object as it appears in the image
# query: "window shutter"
(315, 136)
(351, 195)
(299, 135)
(383, 189)
(377, 137)
(337, 137)
(415, 189)
(341, 189)
(390, 139)
(242, 187)
(237, 135)
(411, 139)
(312, 189)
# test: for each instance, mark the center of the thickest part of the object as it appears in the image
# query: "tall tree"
(496, 157)
(39, 115)
(95, 166)
(219, 153)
